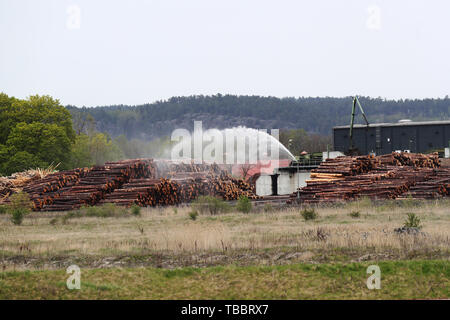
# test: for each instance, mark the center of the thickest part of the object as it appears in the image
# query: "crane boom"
(352, 121)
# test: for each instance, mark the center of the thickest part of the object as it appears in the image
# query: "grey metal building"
(383, 138)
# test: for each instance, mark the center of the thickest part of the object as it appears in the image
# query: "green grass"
(399, 280)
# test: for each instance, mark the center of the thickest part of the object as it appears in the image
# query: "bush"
(309, 214)
(354, 214)
(268, 207)
(72, 214)
(19, 206)
(410, 202)
(193, 215)
(103, 211)
(244, 204)
(211, 205)
(3, 209)
(412, 221)
(359, 204)
(135, 210)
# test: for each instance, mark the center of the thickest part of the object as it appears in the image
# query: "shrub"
(19, 206)
(193, 215)
(412, 221)
(268, 207)
(410, 202)
(72, 214)
(211, 205)
(309, 214)
(354, 214)
(321, 234)
(135, 210)
(3, 209)
(103, 211)
(244, 204)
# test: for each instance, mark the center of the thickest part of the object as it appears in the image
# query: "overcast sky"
(133, 52)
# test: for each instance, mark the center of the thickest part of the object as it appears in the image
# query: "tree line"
(314, 115)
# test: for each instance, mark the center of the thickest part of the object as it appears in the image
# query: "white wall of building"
(331, 155)
(302, 177)
(264, 185)
(287, 182)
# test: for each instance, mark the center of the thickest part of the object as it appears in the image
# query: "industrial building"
(378, 138)
(287, 179)
(383, 138)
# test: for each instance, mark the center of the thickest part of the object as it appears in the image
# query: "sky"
(104, 52)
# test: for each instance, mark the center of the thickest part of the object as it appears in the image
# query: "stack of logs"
(436, 186)
(136, 181)
(181, 187)
(416, 160)
(93, 185)
(43, 191)
(384, 177)
(145, 192)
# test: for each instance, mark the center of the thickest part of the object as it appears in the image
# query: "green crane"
(352, 150)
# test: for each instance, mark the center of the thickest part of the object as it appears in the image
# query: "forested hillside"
(314, 115)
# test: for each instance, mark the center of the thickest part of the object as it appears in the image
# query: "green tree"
(47, 142)
(34, 132)
(21, 161)
(103, 149)
(43, 109)
(80, 155)
(131, 149)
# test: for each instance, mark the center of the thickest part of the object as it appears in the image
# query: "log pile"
(437, 186)
(145, 192)
(96, 183)
(416, 160)
(204, 179)
(229, 188)
(346, 166)
(135, 181)
(16, 182)
(43, 191)
(384, 177)
(182, 187)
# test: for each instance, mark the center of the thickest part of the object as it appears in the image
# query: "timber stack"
(145, 192)
(98, 181)
(43, 191)
(129, 182)
(181, 187)
(437, 186)
(389, 176)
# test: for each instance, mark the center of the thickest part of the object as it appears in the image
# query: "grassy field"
(399, 280)
(230, 255)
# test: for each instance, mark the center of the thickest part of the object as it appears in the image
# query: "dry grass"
(172, 230)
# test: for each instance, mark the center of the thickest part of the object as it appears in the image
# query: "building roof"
(397, 124)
